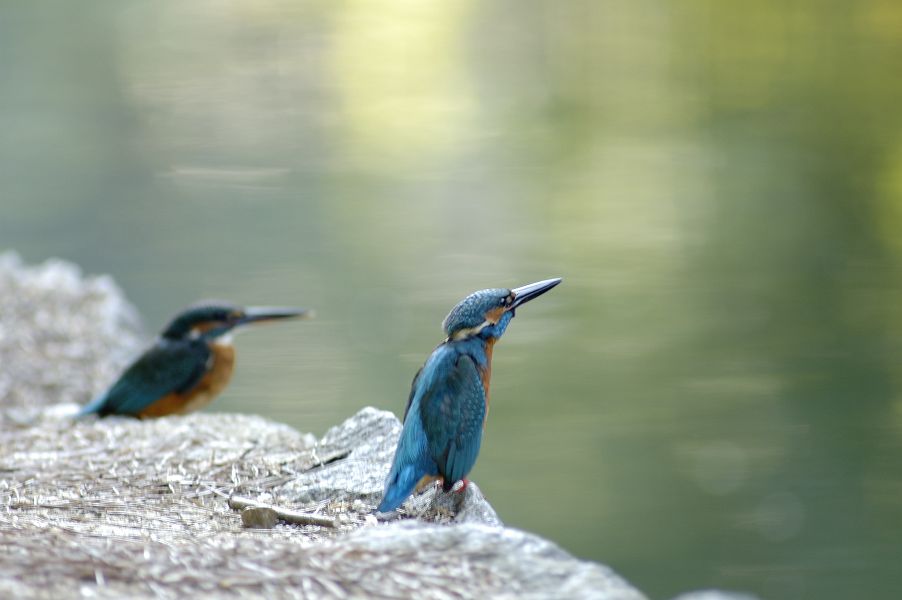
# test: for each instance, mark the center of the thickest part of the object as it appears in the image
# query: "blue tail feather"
(92, 407)
(399, 486)
(410, 465)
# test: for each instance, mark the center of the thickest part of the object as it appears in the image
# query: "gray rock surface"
(63, 337)
(122, 508)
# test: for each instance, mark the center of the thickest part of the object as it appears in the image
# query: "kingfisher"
(189, 364)
(449, 397)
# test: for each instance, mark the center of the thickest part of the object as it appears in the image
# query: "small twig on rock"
(327, 459)
(289, 516)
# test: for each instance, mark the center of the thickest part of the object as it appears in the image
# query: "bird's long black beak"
(533, 290)
(256, 314)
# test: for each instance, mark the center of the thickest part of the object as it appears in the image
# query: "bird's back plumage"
(443, 424)
(189, 364)
(169, 366)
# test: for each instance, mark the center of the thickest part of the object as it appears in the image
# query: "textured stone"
(63, 337)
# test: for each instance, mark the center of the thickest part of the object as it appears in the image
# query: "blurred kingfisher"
(189, 365)
(449, 397)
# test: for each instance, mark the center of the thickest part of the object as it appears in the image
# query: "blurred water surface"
(712, 398)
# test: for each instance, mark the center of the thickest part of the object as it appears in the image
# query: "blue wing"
(413, 392)
(166, 368)
(452, 410)
(442, 426)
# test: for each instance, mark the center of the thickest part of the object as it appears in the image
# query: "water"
(712, 396)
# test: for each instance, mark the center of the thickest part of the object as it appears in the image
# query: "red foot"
(462, 485)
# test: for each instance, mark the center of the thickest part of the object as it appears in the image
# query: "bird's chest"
(483, 362)
(485, 373)
(222, 363)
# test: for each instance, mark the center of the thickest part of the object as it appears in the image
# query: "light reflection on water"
(712, 396)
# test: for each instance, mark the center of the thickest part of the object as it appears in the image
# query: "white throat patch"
(462, 334)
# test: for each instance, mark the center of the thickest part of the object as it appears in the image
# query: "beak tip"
(533, 290)
(257, 314)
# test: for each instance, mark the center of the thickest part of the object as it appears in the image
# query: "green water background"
(713, 398)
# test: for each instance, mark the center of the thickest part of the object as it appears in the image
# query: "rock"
(124, 508)
(63, 338)
(345, 459)
(474, 561)
(259, 517)
(468, 506)
(354, 459)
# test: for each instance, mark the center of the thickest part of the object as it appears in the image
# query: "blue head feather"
(474, 310)
(219, 316)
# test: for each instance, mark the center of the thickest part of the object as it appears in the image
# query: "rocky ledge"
(122, 508)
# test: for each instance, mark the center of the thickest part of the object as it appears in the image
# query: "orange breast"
(212, 383)
(486, 376)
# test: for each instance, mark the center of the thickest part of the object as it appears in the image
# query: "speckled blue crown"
(204, 311)
(470, 312)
